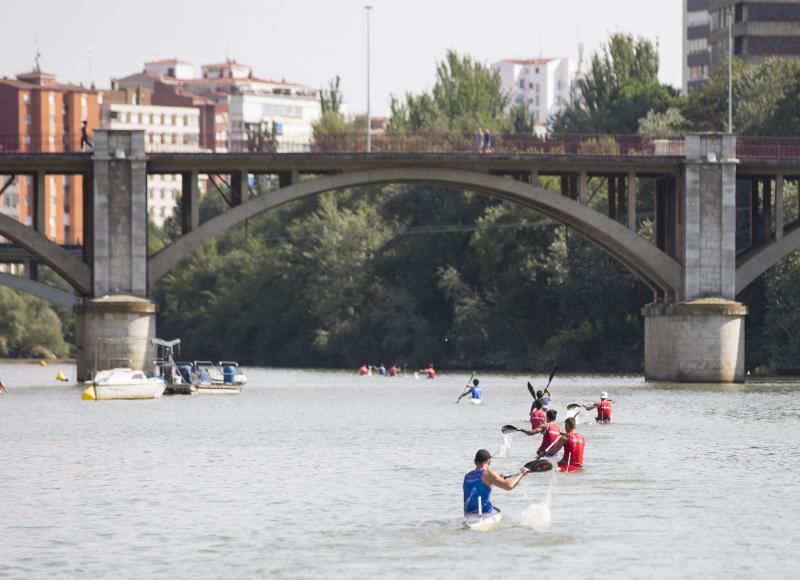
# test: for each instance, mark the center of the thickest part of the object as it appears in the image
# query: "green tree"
(467, 94)
(620, 88)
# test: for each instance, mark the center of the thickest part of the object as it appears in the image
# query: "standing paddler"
(478, 484)
(550, 432)
(573, 443)
(603, 408)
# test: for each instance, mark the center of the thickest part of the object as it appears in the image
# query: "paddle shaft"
(469, 382)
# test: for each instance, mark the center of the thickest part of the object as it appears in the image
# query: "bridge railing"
(759, 148)
(64, 143)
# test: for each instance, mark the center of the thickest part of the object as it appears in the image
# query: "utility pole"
(369, 123)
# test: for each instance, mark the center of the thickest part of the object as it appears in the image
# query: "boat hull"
(218, 389)
(483, 522)
(475, 401)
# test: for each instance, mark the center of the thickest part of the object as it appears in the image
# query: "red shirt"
(538, 417)
(604, 411)
(551, 434)
(392, 371)
(363, 371)
(431, 373)
(573, 450)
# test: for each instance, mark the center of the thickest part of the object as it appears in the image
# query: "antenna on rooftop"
(91, 76)
(541, 55)
(38, 54)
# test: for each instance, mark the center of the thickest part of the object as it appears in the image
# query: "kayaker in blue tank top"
(474, 392)
(479, 482)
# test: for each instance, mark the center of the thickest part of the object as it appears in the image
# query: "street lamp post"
(369, 128)
(730, 69)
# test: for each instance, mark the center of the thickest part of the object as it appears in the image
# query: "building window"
(530, 85)
(27, 119)
(51, 99)
(26, 98)
(522, 83)
(537, 70)
(84, 102)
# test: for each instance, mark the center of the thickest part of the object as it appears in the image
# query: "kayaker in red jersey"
(572, 442)
(430, 371)
(393, 370)
(550, 431)
(603, 408)
(538, 416)
(364, 370)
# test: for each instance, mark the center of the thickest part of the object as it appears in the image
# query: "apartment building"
(696, 54)
(544, 85)
(759, 29)
(39, 114)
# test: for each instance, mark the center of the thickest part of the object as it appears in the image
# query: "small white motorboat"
(482, 522)
(123, 383)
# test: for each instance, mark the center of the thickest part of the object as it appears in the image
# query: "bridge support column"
(114, 331)
(700, 338)
(115, 326)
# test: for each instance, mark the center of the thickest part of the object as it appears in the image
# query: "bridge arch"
(654, 267)
(77, 273)
(750, 266)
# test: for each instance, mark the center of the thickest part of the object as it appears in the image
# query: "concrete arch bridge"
(694, 327)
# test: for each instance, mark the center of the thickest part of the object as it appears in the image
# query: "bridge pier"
(700, 338)
(114, 328)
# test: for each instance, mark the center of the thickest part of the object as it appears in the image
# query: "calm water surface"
(325, 474)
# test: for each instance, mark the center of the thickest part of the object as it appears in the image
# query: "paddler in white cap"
(603, 408)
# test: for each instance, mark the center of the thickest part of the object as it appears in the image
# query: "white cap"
(603, 395)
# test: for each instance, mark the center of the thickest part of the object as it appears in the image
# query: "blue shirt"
(474, 488)
(475, 392)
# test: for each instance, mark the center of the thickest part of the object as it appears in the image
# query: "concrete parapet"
(114, 331)
(696, 341)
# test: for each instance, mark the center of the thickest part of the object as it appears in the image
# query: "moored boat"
(224, 378)
(123, 383)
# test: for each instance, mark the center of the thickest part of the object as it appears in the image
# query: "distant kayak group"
(479, 511)
(366, 370)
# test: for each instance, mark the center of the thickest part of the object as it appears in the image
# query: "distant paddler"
(474, 391)
(538, 416)
(2, 387)
(430, 371)
(478, 484)
(393, 370)
(573, 443)
(365, 370)
(603, 408)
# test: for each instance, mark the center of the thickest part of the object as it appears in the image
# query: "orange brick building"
(37, 114)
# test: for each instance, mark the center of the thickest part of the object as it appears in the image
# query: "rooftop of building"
(36, 80)
(528, 61)
(168, 61)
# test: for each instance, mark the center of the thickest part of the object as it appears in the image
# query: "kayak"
(570, 468)
(482, 522)
(475, 401)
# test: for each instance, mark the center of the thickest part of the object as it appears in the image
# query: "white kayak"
(475, 401)
(482, 522)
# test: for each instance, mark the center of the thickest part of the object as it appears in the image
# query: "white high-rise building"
(544, 85)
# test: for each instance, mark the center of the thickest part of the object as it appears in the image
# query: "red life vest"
(431, 373)
(538, 417)
(573, 450)
(551, 434)
(392, 371)
(363, 371)
(604, 411)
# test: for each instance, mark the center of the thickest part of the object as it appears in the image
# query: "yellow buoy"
(60, 376)
(89, 394)
(42, 363)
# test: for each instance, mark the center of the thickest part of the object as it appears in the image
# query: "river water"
(325, 474)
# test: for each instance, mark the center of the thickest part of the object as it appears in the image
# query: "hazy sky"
(311, 41)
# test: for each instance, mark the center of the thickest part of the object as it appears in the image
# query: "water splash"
(537, 515)
(505, 448)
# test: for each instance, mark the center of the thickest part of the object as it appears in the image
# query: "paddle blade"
(506, 429)
(531, 391)
(573, 406)
(539, 465)
(552, 374)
